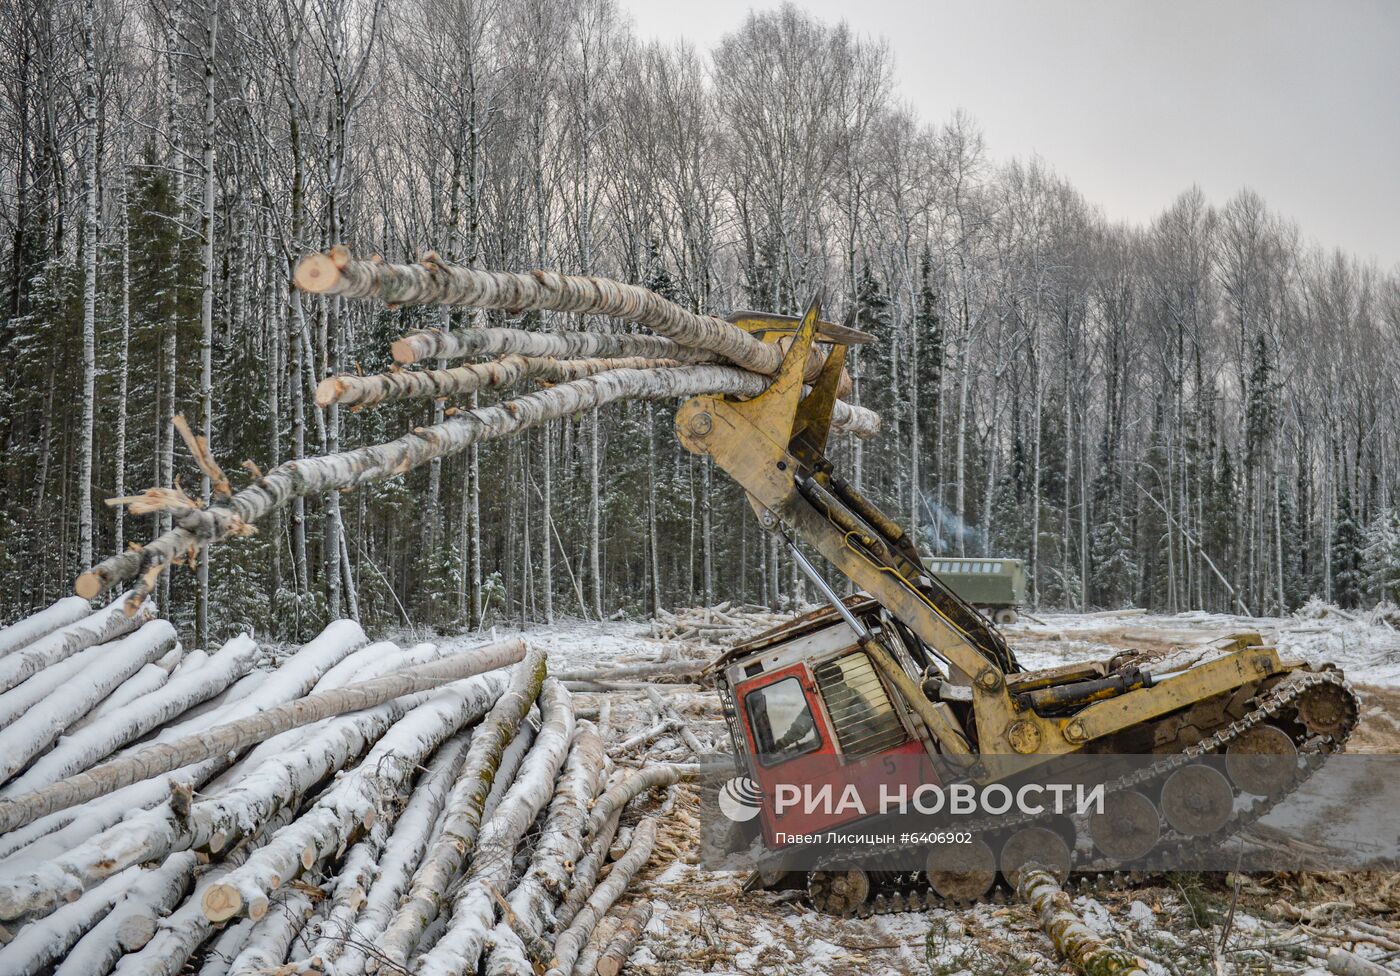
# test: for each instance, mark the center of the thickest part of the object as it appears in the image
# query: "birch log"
(410, 838)
(223, 950)
(268, 940)
(29, 629)
(1074, 940)
(571, 942)
(96, 628)
(151, 677)
(36, 729)
(367, 391)
(437, 344)
(614, 799)
(327, 826)
(624, 940)
(77, 752)
(42, 942)
(132, 921)
(474, 905)
(24, 696)
(696, 747)
(560, 845)
(428, 893)
(597, 941)
(585, 873)
(180, 934)
(196, 527)
(438, 283)
(238, 735)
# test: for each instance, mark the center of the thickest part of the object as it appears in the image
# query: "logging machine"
(907, 670)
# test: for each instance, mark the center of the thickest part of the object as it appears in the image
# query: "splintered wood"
(359, 808)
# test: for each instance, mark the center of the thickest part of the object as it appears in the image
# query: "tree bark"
(614, 957)
(494, 342)
(233, 736)
(27, 630)
(474, 905)
(444, 284)
(1075, 941)
(427, 896)
(571, 942)
(61, 643)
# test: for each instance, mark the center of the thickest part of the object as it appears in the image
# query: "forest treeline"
(1199, 412)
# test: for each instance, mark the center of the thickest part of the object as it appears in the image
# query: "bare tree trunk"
(89, 287)
(206, 307)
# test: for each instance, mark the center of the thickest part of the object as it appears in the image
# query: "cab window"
(861, 713)
(781, 721)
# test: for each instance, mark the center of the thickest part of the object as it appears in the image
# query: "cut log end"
(88, 585)
(221, 902)
(403, 352)
(328, 391)
(316, 273)
(134, 932)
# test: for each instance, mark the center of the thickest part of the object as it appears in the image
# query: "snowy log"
(106, 624)
(150, 678)
(28, 629)
(367, 391)
(428, 894)
(585, 873)
(224, 949)
(78, 751)
(598, 940)
(180, 934)
(624, 940)
(132, 921)
(614, 799)
(196, 527)
(507, 956)
(474, 905)
(434, 344)
(435, 282)
(572, 940)
(1074, 940)
(42, 942)
(36, 729)
(349, 803)
(237, 735)
(667, 709)
(404, 849)
(268, 941)
(24, 696)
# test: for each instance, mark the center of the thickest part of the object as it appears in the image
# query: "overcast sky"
(1135, 100)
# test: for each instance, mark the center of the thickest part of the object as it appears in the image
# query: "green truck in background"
(995, 586)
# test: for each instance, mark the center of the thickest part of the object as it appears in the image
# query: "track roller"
(961, 872)
(1127, 828)
(1197, 800)
(1262, 761)
(1035, 845)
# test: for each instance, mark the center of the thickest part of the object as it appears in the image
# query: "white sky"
(1135, 100)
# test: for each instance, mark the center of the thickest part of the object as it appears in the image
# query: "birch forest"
(1199, 412)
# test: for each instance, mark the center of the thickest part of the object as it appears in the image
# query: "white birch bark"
(474, 906)
(493, 342)
(597, 941)
(180, 934)
(614, 799)
(1076, 942)
(269, 940)
(445, 284)
(507, 956)
(41, 943)
(62, 643)
(133, 919)
(27, 630)
(151, 677)
(206, 306)
(380, 462)
(412, 833)
(571, 942)
(354, 799)
(221, 953)
(428, 893)
(78, 751)
(624, 940)
(367, 391)
(234, 736)
(36, 729)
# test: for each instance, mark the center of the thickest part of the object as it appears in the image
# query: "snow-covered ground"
(704, 923)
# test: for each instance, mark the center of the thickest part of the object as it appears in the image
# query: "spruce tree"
(1348, 541)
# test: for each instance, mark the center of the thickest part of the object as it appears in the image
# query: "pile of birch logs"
(684, 354)
(361, 807)
(721, 624)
